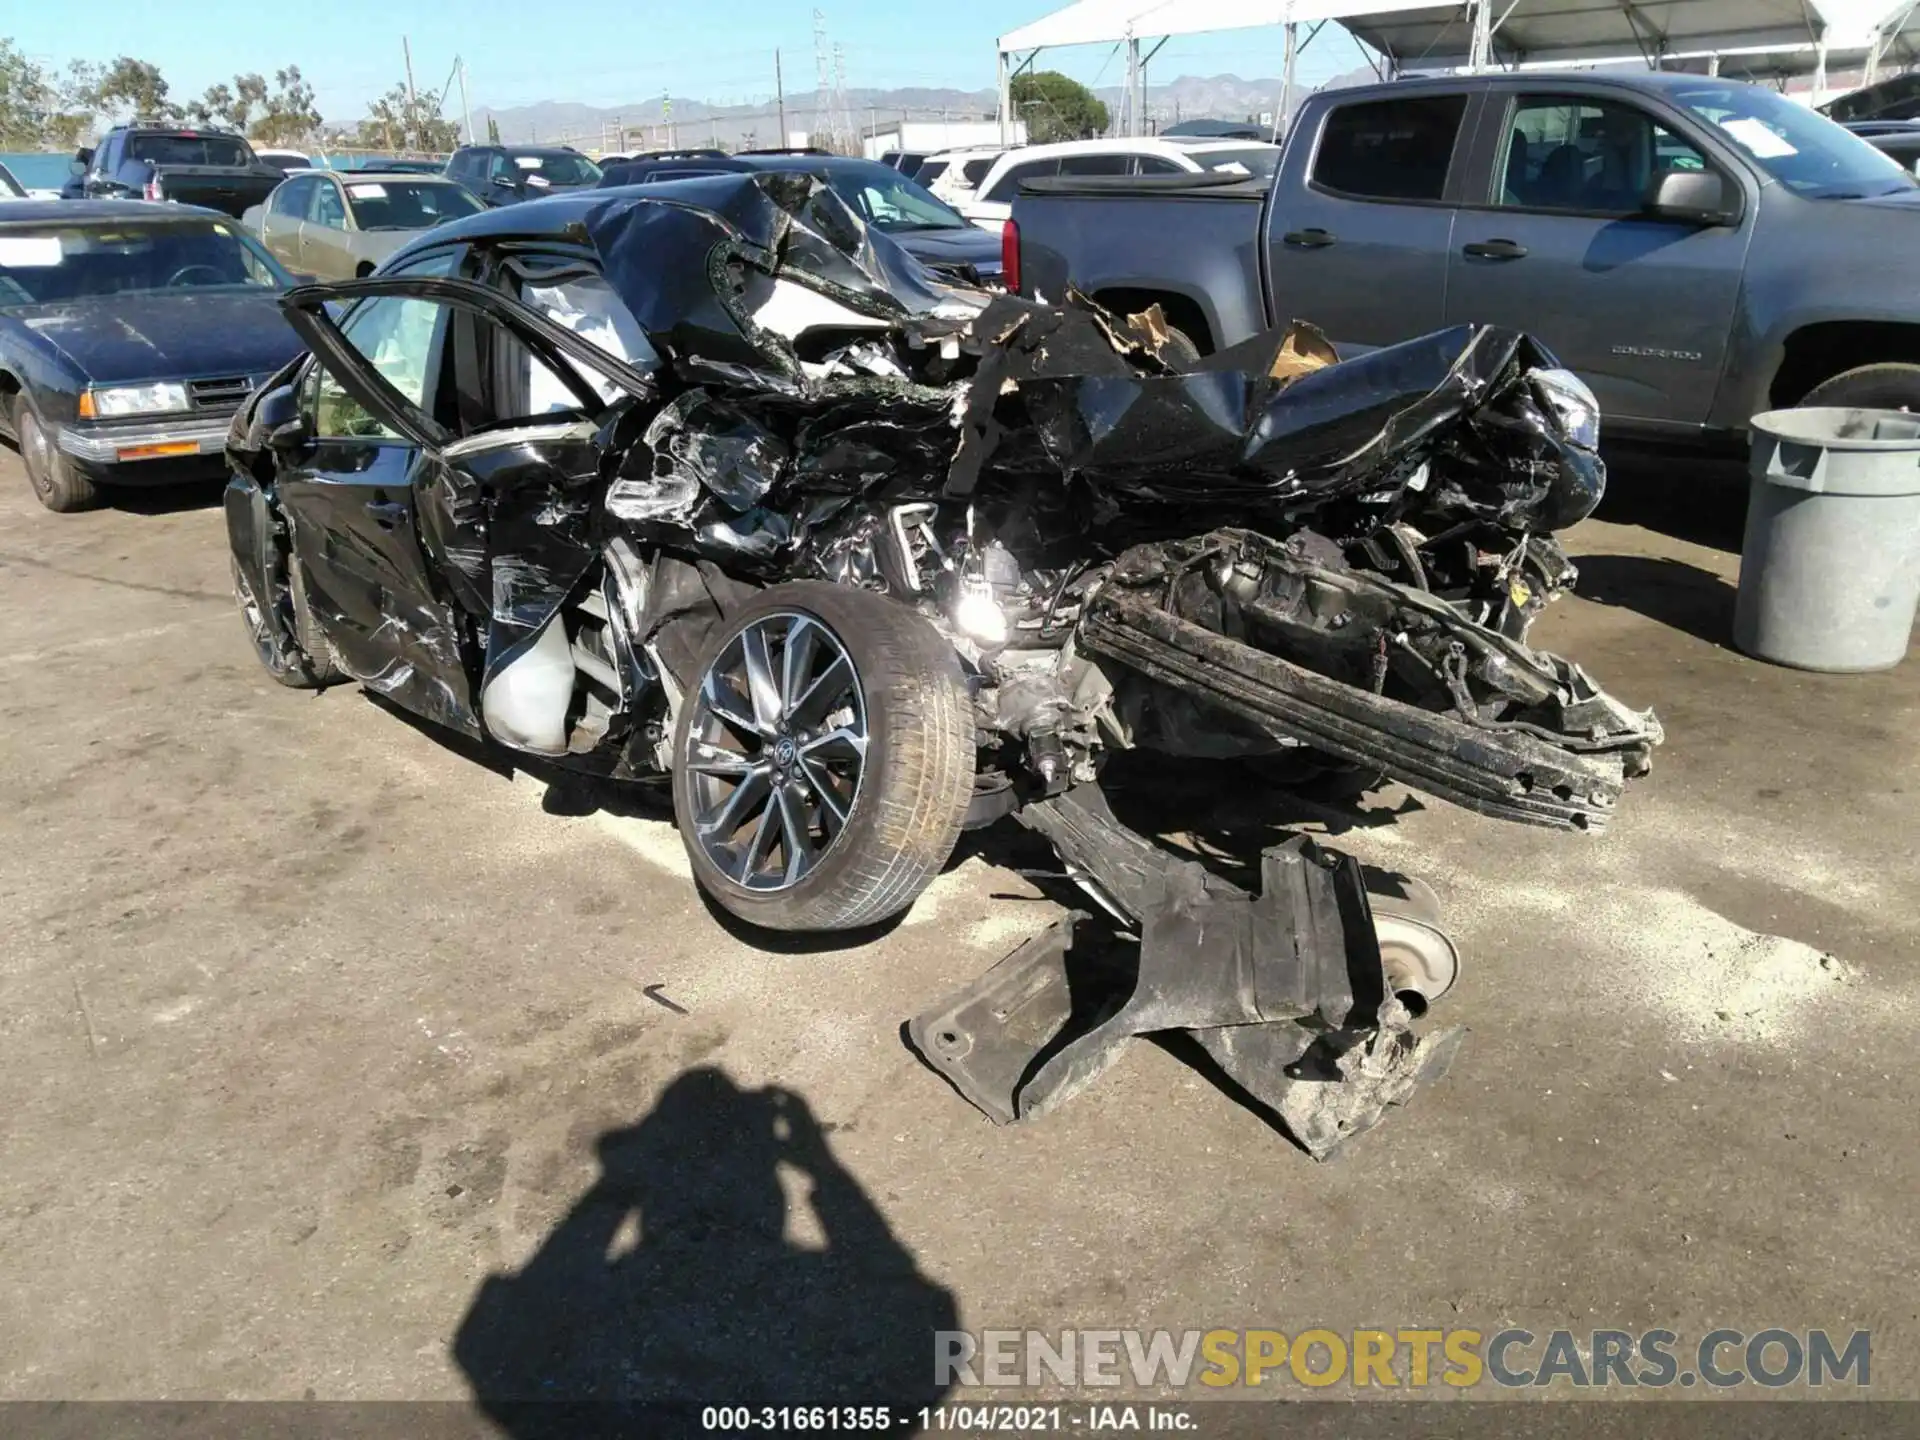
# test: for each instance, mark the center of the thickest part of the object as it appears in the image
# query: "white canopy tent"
(1756, 37)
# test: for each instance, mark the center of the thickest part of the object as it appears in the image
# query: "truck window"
(1575, 153)
(189, 149)
(1390, 149)
(1009, 184)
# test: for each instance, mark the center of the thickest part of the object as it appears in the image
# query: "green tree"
(288, 116)
(38, 110)
(1056, 108)
(395, 122)
(134, 88)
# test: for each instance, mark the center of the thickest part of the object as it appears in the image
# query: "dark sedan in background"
(925, 226)
(129, 334)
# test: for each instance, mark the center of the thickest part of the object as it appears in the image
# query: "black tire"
(1891, 386)
(56, 483)
(279, 629)
(913, 786)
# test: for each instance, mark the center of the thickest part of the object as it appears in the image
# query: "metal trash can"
(1830, 568)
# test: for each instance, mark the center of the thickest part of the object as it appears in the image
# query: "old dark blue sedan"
(129, 334)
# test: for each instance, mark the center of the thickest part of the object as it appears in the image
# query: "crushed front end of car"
(1266, 552)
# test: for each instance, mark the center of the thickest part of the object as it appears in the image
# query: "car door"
(454, 499)
(1557, 242)
(1361, 226)
(102, 179)
(347, 500)
(280, 226)
(324, 238)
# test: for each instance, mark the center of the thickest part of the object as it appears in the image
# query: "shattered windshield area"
(1806, 152)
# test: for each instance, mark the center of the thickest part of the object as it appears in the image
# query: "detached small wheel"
(1892, 386)
(272, 627)
(56, 483)
(823, 759)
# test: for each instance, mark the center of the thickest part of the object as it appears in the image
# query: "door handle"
(1314, 239)
(387, 512)
(1494, 250)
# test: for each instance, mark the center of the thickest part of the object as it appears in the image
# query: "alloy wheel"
(776, 750)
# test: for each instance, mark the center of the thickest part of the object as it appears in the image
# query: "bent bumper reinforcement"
(1509, 776)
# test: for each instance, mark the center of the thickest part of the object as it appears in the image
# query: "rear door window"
(294, 197)
(1398, 149)
(328, 208)
(1109, 163)
(1009, 184)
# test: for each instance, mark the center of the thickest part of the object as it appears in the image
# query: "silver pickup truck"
(1697, 249)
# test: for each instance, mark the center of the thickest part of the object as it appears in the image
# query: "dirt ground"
(336, 1063)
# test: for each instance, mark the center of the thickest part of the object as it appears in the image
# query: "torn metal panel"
(1263, 982)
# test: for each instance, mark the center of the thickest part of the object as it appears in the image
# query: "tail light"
(153, 190)
(1010, 256)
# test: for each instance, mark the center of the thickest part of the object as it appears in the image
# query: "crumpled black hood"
(1106, 405)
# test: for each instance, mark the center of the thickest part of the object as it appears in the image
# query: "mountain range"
(658, 122)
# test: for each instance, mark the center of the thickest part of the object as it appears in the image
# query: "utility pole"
(413, 102)
(780, 96)
(466, 115)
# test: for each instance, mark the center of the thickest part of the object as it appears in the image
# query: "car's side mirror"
(1694, 197)
(507, 183)
(278, 417)
(82, 158)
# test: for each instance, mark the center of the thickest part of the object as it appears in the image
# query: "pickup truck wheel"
(1891, 386)
(56, 484)
(824, 759)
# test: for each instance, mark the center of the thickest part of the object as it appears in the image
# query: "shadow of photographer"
(676, 1280)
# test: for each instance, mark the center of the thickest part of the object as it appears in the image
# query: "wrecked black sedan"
(724, 489)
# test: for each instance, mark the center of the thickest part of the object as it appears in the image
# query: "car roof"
(39, 212)
(355, 176)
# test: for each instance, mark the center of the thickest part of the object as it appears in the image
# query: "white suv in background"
(953, 174)
(992, 202)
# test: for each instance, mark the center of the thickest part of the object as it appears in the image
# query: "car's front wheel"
(276, 623)
(56, 483)
(824, 758)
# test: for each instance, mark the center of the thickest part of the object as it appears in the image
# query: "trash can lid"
(1838, 450)
(1841, 427)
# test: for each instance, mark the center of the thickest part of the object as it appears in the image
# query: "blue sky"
(350, 49)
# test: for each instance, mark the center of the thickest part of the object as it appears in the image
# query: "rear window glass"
(540, 170)
(189, 150)
(1390, 149)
